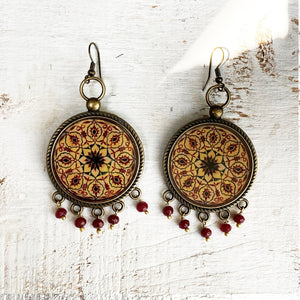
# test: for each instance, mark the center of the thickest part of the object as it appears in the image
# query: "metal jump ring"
(135, 194)
(203, 216)
(168, 196)
(224, 88)
(242, 204)
(97, 212)
(183, 210)
(54, 198)
(84, 81)
(224, 214)
(117, 209)
(74, 210)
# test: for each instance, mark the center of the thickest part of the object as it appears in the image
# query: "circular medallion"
(209, 164)
(95, 158)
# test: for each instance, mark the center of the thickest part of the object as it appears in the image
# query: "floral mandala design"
(210, 165)
(94, 159)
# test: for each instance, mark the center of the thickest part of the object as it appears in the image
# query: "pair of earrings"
(95, 159)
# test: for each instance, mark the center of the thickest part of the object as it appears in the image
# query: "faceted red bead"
(113, 219)
(184, 224)
(142, 206)
(60, 213)
(80, 222)
(98, 223)
(239, 219)
(168, 211)
(225, 227)
(206, 232)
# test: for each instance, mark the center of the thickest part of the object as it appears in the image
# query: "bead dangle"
(94, 160)
(141, 205)
(209, 165)
(168, 210)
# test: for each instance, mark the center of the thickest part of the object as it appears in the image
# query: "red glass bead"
(113, 219)
(60, 213)
(206, 232)
(184, 224)
(239, 219)
(142, 206)
(168, 211)
(80, 222)
(98, 223)
(225, 227)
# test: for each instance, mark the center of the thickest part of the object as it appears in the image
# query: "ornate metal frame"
(115, 119)
(168, 150)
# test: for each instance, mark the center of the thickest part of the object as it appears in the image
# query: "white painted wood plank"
(43, 58)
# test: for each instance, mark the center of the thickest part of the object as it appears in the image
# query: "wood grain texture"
(43, 58)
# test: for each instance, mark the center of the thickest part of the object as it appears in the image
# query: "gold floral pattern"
(94, 159)
(210, 165)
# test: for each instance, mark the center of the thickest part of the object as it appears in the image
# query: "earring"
(94, 159)
(209, 165)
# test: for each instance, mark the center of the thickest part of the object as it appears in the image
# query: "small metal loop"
(135, 193)
(183, 210)
(224, 88)
(97, 212)
(86, 80)
(224, 214)
(76, 209)
(242, 204)
(118, 206)
(57, 198)
(168, 196)
(203, 216)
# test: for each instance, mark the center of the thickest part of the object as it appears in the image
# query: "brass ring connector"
(224, 88)
(84, 81)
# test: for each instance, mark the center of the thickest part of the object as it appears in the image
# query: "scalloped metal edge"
(115, 118)
(166, 158)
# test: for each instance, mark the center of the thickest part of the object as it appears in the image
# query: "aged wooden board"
(152, 84)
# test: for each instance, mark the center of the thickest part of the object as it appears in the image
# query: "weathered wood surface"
(43, 58)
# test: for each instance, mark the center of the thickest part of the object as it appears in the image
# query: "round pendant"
(209, 164)
(94, 159)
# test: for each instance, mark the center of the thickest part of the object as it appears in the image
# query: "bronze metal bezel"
(185, 201)
(120, 122)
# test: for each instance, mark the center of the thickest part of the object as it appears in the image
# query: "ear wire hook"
(91, 71)
(217, 70)
(93, 104)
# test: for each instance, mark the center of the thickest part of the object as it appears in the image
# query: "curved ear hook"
(93, 104)
(92, 67)
(222, 62)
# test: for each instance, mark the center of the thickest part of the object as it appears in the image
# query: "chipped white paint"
(43, 58)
